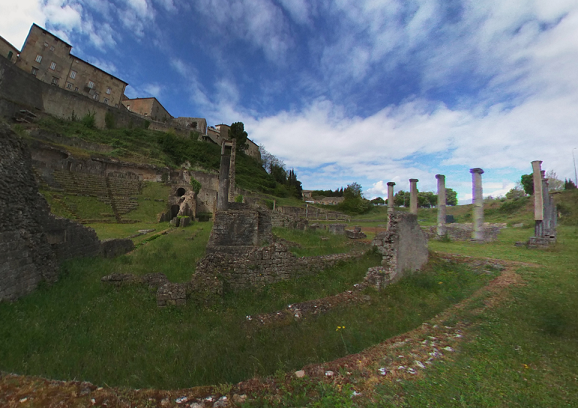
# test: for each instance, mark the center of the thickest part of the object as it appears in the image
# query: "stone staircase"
(118, 192)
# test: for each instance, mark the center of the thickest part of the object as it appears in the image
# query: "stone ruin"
(33, 242)
(403, 248)
(545, 214)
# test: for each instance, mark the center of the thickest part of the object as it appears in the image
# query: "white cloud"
(153, 89)
(16, 17)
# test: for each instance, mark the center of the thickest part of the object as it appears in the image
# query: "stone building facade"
(195, 124)
(48, 58)
(8, 51)
(149, 107)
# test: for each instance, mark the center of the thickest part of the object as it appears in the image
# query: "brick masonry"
(32, 241)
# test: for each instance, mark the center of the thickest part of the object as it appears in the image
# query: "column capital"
(440, 176)
(536, 161)
(477, 170)
(390, 183)
(413, 180)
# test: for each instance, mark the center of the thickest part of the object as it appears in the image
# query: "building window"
(46, 44)
(38, 58)
(34, 71)
(90, 84)
(73, 74)
(128, 107)
(69, 85)
(76, 89)
(53, 66)
(105, 100)
(108, 91)
(54, 81)
(95, 97)
(52, 48)
(10, 55)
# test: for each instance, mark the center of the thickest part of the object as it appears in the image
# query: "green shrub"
(239, 199)
(88, 120)
(511, 206)
(147, 123)
(196, 185)
(109, 120)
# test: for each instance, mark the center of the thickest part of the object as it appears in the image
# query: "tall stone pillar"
(441, 230)
(223, 194)
(538, 199)
(413, 196)
(232, 171)
(390, 196)
(478, 202)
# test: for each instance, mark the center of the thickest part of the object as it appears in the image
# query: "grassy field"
(81, 328)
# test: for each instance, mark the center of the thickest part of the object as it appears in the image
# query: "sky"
(344, 91)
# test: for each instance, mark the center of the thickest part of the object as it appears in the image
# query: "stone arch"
(175, 210)
(180, 192)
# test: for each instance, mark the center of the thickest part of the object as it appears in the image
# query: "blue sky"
(349, 90)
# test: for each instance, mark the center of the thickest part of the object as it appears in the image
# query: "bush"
(239, 199)
(147, 123)
(511, 206)
(109, 120)
(196, 185)
(88, 120)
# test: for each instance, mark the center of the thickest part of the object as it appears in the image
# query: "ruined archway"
(180, 192)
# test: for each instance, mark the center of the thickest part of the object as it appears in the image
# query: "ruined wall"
(32, 241)
(403, 246)
(239, 228)
(27, 257)
(262, 266)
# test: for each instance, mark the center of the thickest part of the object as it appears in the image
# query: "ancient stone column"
(478, 202)
(413, 196)
(390, 196)
(232, 171)
(223, 194)
(441, 230)
(538, 199)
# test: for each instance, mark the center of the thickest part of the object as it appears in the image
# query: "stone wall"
(263, 266)
(27, 257)
(239, 228)
(403, 246)
(463, 232)
(32, 241)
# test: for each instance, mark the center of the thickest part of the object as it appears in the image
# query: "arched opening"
(175, 210)
(181, 192)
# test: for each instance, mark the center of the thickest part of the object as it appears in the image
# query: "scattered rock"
(300, 374)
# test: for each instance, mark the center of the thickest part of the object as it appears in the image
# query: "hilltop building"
(8, 50)
(49, 59)
(149, 107)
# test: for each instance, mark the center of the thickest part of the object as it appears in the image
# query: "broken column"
(441, 230)
(390, 196)
(223, 194)
(538, 199)
(413, 196)
(232, 170)
(478, 203)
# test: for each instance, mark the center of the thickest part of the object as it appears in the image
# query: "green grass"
(522, 353)
(148, 209)
(80, 328)
(311, 242)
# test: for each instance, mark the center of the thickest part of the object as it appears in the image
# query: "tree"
(554, 183)
(378, 201)
(527, 181)
(401, 199)
(426, 199)
(237, 132)
(569, 185)
(353, 190)
(515, 193)
(451, 197)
